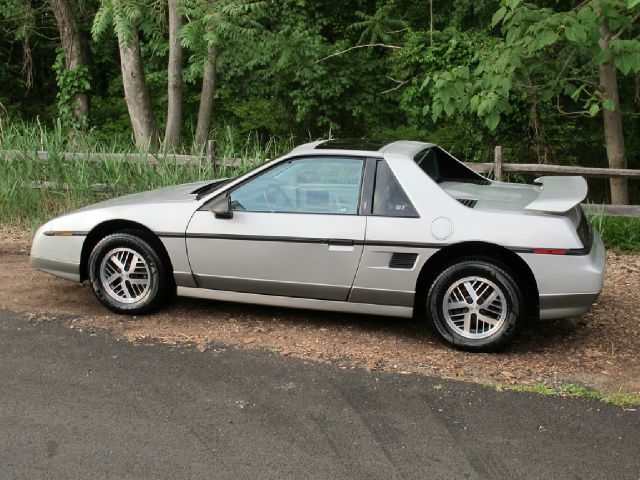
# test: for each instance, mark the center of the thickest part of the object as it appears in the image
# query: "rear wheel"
(475, 304)
(127, 274)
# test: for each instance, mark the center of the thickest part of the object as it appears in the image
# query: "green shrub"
(618, 233)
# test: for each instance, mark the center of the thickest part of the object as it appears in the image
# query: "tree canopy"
(535, 77)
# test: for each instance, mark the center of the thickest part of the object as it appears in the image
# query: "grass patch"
(618, 233)
(570, 390)
(74, 183)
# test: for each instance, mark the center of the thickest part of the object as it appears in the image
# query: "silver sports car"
(395, 229)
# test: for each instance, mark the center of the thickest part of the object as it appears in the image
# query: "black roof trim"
(353, 144)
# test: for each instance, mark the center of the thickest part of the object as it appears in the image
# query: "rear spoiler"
(559, 194)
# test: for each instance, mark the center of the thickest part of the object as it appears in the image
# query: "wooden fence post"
(211, 152)
(497, 164)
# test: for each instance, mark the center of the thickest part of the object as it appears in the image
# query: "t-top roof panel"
(362, 144)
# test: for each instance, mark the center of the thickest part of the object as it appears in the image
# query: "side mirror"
(221, 207)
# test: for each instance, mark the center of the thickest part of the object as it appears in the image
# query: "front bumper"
(57, 255)
(568, 284)
(59, 268)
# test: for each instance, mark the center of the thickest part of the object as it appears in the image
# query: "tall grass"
(618, 233)
(74, 183)
(78, 182)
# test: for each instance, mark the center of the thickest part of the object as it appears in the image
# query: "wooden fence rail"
(544, 169)
(174, 159)
(498, 167)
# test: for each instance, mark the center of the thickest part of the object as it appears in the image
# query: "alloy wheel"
(474, 307)
(125, 275)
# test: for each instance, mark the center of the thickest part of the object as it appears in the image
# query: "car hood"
(177, 193)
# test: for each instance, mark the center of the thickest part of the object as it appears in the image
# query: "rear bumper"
(568, 284)
(566, 305)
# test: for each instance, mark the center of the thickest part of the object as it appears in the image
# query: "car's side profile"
(357, 226)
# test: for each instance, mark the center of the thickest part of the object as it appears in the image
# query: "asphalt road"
(76, 405)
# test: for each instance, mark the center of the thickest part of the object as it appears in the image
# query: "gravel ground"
(598, 350)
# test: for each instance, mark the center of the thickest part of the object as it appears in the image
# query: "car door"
(392, 258)
(295, 231)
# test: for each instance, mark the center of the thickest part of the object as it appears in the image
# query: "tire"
(486, 320)
(134, 288)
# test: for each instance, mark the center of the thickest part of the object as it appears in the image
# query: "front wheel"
(476, 305)
(127, 274)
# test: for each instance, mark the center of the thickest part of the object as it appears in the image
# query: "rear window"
(442, 167)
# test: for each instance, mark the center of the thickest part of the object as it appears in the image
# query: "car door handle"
(341, 245)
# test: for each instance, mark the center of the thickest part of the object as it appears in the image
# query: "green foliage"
(618, 233)
(20, 47)
(427, 70)
(543, 54)
(18, 19)
(283, 66)
(229, 25)
(123, 17)
(265, 116)
(463, 134)
(71, 82)
(381, 27)
(218, 23)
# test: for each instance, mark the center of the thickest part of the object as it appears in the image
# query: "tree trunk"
(206, 98)
(174, 109)
(75, 55)
(637, 101)
(136, 93)
(613, 134)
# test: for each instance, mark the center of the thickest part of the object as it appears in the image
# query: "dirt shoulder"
(598, 350)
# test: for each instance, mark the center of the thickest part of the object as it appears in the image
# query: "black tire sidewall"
(484, 269)
(158, 287)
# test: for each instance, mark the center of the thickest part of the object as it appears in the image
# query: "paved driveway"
(75, 405)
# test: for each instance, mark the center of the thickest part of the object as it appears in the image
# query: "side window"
(308, 185)
(389, 199)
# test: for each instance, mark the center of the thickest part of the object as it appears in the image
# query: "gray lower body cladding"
(59, 268)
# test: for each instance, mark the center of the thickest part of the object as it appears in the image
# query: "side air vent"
(403, 260)
(467, 202)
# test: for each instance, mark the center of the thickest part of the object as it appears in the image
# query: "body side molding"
(290, 302)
